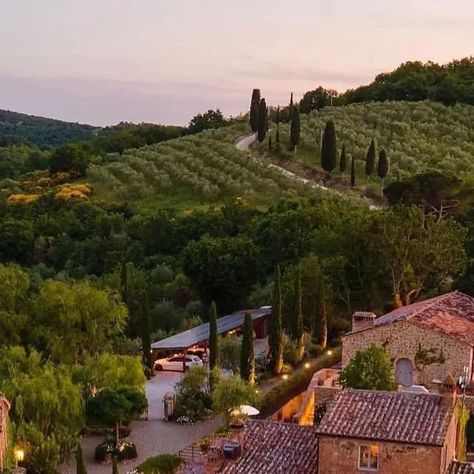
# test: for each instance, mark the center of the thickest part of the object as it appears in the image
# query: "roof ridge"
(389, 392)
(434, 300)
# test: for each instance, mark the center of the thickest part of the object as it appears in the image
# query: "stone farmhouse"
(427, 341)
(4, 409)
(388, 432)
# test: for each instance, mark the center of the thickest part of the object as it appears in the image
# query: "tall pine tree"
(343, 159)
(80, 463)
(254, 106)
(298, 317)
(275, 336)
(295, 129)
(262, 121)
(329, 147)
(213, 337)
(353, 172)
(247, 354)
(370, 158)
(383, 168)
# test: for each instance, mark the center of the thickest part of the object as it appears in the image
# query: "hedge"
(297, 382)
(162, 464)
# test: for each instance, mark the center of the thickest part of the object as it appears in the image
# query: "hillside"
(190, 171)
(207, 169)
(20, 128)
(446, 83)
(417, 136)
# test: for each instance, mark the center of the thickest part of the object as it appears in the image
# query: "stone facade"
(341, 455)
(338, 456)
(403, 341)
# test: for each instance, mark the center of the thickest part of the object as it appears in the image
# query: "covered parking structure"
(199, 335)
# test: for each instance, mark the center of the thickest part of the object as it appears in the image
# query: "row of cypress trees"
(247, 353)
(329, 156)
(258, 115)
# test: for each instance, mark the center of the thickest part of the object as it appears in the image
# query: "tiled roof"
(451, 314)
(272, 447)
(460, 468)
(403, 417)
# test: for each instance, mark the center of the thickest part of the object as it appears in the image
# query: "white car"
(176, 362)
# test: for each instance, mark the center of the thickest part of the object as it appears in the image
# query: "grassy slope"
(191, 172)
(41, 131)
(416, 135)
(205, 170)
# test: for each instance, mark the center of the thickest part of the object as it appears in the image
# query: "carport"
(199, 335)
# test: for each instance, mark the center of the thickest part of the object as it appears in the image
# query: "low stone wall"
(321, 388)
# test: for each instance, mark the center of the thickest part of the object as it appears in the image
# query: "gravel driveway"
(152, 437)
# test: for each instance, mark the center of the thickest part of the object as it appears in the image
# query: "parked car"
(176, 362)
(200, 352)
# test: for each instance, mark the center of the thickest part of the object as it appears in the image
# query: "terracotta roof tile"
(451, 314)
(404, 417)
(460, 468)
(272, 447)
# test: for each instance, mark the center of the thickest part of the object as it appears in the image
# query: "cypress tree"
(370, 159)
(343, 159)
(295, 128)
(275, 336)
(80, 464)
(262, 121)
(298, 317)
(254, 105)
(383, 168)
(115, 469)
(247, 354)
(213, 337)
(145, 333)
(277, 138)
(353, 172)
(329, 147)
(290, 110)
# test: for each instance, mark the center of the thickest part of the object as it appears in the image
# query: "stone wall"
(403, 339)
(341, 455)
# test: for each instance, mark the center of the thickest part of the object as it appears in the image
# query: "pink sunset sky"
(104, 61)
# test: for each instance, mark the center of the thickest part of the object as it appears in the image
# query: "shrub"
(230, 393)
(162, 464)
(124, 451)
(193, 399)
(229, 349)
(315, 350)
(120, 405)
(370, 369)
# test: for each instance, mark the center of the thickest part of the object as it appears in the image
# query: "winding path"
(244, 143)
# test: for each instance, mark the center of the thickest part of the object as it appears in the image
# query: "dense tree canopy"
(414, 80)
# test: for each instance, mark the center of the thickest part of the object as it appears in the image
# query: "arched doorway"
(404, 372)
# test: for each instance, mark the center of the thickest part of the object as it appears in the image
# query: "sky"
(105, 61)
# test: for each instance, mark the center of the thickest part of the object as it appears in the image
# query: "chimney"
(362, 320)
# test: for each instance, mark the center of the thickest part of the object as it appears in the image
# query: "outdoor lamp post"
(19, 456)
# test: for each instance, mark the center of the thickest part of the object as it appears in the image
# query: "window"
(369, 458)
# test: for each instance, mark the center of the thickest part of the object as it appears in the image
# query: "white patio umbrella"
(245, 410)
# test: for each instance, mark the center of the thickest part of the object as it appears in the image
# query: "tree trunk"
(398, 300)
